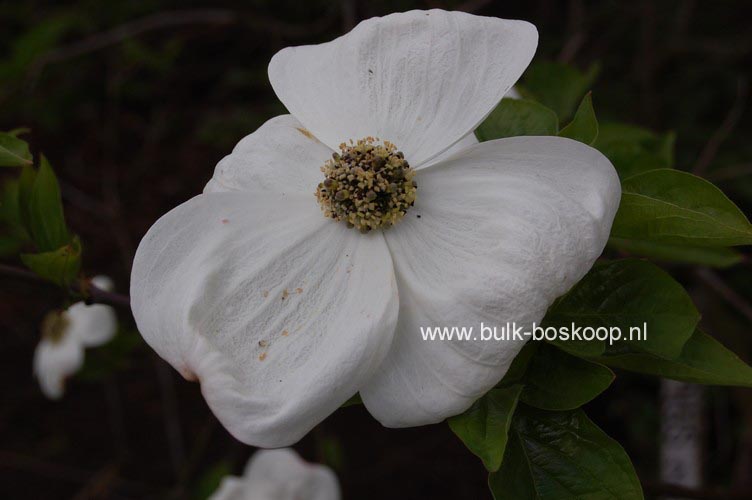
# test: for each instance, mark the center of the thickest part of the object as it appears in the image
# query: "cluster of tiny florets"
(368, 185)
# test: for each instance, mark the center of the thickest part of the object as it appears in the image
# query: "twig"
(130, 30)
(716, 283)
(94, 294)
(576, 37)
(63, 472)
(729, 173)
(674, 491)
(190, 465)
(709, 152)
(171, 415)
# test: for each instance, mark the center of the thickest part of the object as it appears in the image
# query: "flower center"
(368, 185)
(54, 325)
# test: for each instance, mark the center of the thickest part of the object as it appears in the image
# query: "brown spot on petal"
(262, 356)
(305, 132)
(285, 333)
(265, 293)
(225, 221)
(263, 343)
(299, 290)
(285, 294)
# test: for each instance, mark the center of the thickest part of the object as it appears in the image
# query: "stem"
(95, 295)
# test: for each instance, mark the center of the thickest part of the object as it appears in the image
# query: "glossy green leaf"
(555, 455)
(627, 294)
(516, 117)
(556, 380)
(705, 256)
(517, 370)
(634, 150)
(14, 152)
(556, 86)
(584, 125)
(513, 480)
(484, 426)
(703, 360)
(46, 220)
(59, 266)
(671, 206)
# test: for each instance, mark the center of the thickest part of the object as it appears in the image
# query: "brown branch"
(715, 282)
(130, 30)
(710, 151)
(86, 289)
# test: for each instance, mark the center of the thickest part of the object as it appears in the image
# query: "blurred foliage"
(134, 120)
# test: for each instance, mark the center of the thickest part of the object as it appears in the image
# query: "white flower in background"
(283, 313)
(280, 475)
(65, 335)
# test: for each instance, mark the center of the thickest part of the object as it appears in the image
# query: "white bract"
(283, 314)
(280, 475)
(65, 335)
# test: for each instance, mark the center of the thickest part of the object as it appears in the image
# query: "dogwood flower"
(330, 236)
(280, 475)
(65, 335)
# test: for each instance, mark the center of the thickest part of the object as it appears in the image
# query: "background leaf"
(13, 235)
(705, 256)
(516, 117)
(634, 150)
(557, 86)
(46, 219)
(14, 152)
(584, 125)
(671, 206)
(703, 360)
(59, 266)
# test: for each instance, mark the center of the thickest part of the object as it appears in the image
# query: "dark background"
(135, 102)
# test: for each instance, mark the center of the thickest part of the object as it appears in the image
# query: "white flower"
(65, 335)
(280, 475)
(283, 314)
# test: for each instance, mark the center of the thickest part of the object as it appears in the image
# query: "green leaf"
(483, 428)
(517, 370)
(556, 380)
(627, 294)
(515, 117)
(353, 401)
(209, 481)
(46, 219)
(705, 256)
(557, 86)
(25, 187)
(634, 150)
(584, 125)
(14, 152)
(555, 455)
(14, 236)
(703, 360)
(671, 206)
(59, 266)
(513, 480)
